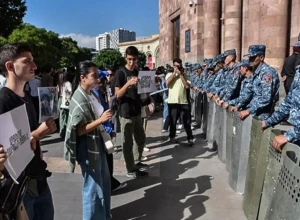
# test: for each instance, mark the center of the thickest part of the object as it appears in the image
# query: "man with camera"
(178, 104)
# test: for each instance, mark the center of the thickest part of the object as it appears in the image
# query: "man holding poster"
(16, 62)
(126, 81)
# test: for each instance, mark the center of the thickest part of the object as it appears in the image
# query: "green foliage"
(84, 54)
(2, 41)
(142, 59)
(11, 15)
(48, 49)
(69, 52)
(109, 58)
(46, 46)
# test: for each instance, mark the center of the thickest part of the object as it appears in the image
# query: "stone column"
(233, 14)
(295, 22)
(245, 27)
(223, 42)
(253, 24)
(273, 30)
(211, 27)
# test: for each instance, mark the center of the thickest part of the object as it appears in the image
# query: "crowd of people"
(96, 104)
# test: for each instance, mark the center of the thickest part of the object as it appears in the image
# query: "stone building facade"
(206, 28)
(150, 46)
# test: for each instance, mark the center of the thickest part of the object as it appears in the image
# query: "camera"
(191, 3)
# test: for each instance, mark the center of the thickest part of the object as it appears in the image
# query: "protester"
(17, 63)
(64, 93)
(34, 84)
(126, 80)
(177, 102)
(47, 79)
(84, 143)
(101, 93)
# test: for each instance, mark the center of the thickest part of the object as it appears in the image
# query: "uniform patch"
(268, 78)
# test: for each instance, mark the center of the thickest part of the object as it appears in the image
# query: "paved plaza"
(184, 183)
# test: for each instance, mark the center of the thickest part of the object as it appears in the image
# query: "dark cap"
(255, 50)
(230, 52)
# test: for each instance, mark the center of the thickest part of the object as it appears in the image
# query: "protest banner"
(146, 82)
(15, 137)
(48, 101)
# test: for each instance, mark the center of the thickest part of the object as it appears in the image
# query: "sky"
(83, 20)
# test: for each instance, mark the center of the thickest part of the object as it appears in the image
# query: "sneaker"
(173, 140)
(121, 186)
(136, 174)
(144, 158)
(163, 131)
(179, 127)
(192, 127)
(191, 143)
(141, 166)
(178, 132)
(146, 149)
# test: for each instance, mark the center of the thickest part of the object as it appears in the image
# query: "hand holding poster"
(146, 82)
(48, 99)
(15, 137)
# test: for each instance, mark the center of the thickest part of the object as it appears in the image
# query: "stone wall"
(190, 18)
(218, 25)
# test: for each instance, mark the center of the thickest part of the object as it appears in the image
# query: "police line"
(269, 180)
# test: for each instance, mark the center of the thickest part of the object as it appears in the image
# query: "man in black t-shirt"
(17, 63)
(125, 82)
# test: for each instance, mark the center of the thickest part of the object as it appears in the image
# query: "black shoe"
(136, 174)
(121, 186)
(191, 142)
(173, 141)
(141, 166)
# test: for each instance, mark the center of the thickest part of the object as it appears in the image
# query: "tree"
(142, 59)
(2, 41)
(11, 15)
(84, 54)
(69, 51)
(46, 46)
(109, 58)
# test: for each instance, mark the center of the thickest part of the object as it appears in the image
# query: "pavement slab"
(184, 182)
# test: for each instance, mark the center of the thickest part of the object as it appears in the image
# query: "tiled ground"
(184, 183)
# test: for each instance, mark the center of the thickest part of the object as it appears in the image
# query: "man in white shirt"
(178, 104)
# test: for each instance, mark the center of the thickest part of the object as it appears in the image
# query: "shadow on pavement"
(169, 196)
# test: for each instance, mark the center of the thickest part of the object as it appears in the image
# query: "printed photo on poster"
(146, 82)
(48, 99)
(15, 137)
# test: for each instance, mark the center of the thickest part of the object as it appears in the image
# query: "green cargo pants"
(133, 139)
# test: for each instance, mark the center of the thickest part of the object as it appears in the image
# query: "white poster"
(15, 137)
(146, 82)
(48, 99)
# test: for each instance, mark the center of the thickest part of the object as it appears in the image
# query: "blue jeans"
(96, 190)
(39, 207)
(166, 110)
